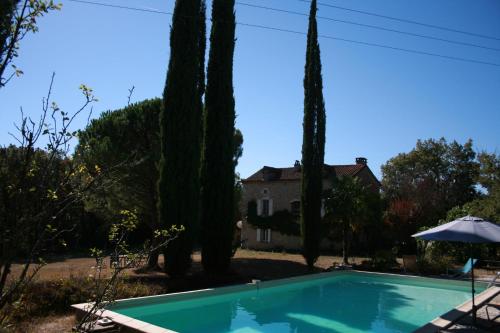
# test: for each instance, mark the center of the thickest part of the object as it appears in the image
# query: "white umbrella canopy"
(467, 229)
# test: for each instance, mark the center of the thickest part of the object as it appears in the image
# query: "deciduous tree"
(431, 179)
(38, 189)
(349, 205)
(126, 141)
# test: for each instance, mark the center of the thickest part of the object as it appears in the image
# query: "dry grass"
(52, 324)
(295, 265)
(248, 263)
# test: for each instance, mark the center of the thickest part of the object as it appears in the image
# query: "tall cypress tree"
(217, 172)
(202, 47)
(313, 145)
(180, 123)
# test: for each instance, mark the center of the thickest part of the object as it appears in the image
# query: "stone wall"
(282, 193)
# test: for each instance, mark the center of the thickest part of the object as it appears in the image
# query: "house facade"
(274, 190)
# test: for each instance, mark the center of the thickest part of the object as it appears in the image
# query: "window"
(264, 235)
(295, 208)
(265, 207)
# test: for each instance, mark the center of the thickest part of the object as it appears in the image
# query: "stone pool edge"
(131, 325)
(449, 318)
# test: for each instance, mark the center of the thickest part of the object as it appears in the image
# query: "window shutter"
(269, 240)
(258, 234)
(259, 207)
(271, 207)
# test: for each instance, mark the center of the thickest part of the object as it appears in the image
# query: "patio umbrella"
(467, 229)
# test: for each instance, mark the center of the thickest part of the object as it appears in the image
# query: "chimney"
(296, 165)
(361, 160)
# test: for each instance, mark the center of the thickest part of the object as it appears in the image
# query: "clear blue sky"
(378, 101)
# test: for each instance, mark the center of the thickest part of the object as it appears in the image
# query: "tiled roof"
(294, 173)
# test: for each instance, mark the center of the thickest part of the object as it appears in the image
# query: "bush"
(382, 261)
(429, 265)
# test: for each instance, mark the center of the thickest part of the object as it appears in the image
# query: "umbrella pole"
(473, 302)
(472, 285)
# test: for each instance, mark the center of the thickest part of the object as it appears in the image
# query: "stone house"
(278, 189)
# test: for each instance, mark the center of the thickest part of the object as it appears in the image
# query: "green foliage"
(382, 261)
(440, 253)
(434, 265)
(487, 207)
(422, 185)
(281, 221)
(238, 194)
(180, 133)
(7, 14)
(122, 257)
(17, 19)
(218, 161)
(39, 194)
(237, 146)
(30, 189)
(346, 202)
(351, 207)
(124, 147)
(489, 170)
(313, 145)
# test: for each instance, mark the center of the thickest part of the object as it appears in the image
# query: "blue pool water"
(345, 303)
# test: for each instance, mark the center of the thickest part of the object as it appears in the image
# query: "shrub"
(428, 265)
(383, 260)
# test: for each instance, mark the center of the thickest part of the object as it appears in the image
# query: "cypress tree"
(217, 172)
(313, 145)
(202, 47)
(180, 125)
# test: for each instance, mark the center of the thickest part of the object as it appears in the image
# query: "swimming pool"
(343, 302)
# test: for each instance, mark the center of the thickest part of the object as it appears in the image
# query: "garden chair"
(464, 271)
(494, 280)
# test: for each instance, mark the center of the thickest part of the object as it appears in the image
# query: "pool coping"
(449, 318)
(131, 325)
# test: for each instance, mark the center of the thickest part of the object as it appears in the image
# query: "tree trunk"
(153, 259)
(345, 245)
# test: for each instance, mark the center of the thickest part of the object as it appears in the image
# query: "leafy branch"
(20, 19)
